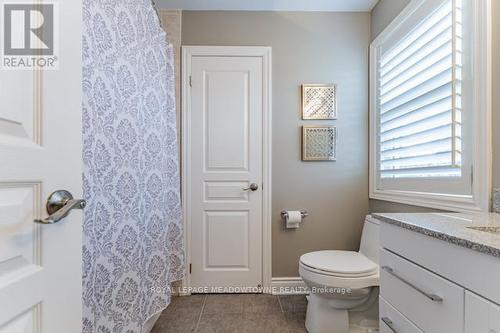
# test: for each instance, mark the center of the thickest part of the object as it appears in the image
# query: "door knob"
(59, 205)
(252, 187)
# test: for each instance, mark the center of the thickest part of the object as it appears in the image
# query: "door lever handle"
(59, 205)
(252, 187)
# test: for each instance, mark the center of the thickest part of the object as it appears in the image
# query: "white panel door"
(226, 159)
(40, 151)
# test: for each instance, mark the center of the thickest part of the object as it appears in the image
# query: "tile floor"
(234, 313)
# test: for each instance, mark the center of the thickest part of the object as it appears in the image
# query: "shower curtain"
(132, 227)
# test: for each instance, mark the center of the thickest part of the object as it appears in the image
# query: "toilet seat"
(345, 269)
(344, 264)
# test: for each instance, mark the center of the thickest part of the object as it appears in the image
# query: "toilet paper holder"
(284, 213)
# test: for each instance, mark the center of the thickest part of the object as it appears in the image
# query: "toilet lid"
(344, 263)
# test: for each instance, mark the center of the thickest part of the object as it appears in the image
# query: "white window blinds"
(419, 99)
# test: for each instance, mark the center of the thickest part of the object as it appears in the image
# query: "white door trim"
(188, 52)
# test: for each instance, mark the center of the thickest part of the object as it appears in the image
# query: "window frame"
(481, 127)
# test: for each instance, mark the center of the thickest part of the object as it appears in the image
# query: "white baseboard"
(288, 286)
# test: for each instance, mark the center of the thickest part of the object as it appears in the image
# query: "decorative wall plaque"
(319, 143)
(319, 101)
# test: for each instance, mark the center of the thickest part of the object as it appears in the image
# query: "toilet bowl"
(342, 282)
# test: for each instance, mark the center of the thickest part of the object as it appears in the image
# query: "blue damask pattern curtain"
(132, 225)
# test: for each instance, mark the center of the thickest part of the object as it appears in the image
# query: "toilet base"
(322, 318)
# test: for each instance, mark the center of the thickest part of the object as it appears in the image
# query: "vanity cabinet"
(433, 286)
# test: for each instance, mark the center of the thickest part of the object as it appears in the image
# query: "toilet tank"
(370, 238)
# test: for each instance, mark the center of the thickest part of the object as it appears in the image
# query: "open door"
(40, 152)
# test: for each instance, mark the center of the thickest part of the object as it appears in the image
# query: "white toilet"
(342, 283)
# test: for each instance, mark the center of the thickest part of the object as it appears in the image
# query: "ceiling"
(277, 5)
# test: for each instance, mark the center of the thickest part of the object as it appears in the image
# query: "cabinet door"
(494, 321)
(481, 315)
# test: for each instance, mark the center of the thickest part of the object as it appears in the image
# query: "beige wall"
(307, 48)
(383, 14)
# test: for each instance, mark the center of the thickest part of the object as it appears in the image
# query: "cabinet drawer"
(391, 321)
(434, 304)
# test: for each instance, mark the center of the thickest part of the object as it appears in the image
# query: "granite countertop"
(452, 228)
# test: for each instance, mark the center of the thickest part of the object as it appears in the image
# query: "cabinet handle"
(389, 323)
(432, 297)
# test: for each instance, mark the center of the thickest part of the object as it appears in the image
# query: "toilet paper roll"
(293, 219)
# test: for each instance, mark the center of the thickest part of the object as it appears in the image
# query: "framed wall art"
(319, 101)
(319, 143)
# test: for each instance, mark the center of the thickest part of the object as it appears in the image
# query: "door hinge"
(190, 81)
(190, 268)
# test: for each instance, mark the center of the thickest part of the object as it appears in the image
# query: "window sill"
(455, 203)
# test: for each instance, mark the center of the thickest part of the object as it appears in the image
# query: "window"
(419, 100)
(429, 120)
